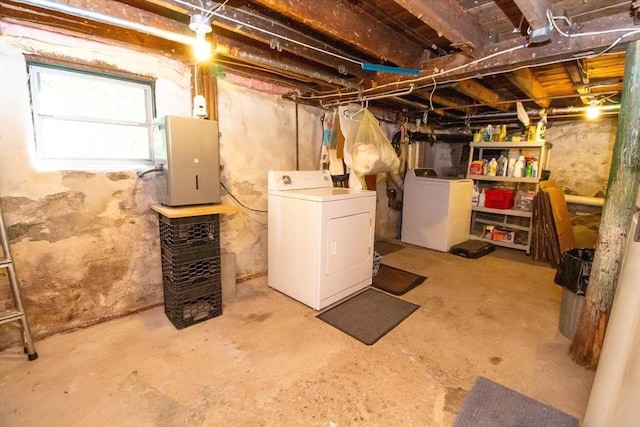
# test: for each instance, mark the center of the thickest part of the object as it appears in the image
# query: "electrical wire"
(239, 202)
(362, 92)
(272, 34)
(212, 10)
(432, 92)
(628, 31)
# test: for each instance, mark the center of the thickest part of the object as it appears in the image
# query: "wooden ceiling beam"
(447, 102)
(535, 12)
(579, 78)
(343, 21)
(228, 18)
(450, 21)
(526, 81)
(481, 93)
(559, 49)
(281, 44)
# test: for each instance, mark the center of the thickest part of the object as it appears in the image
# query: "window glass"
(91, 118)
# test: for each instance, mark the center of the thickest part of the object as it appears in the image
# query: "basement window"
(88, 120)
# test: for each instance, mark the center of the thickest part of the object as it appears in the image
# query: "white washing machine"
(320, 237)
(436, 212)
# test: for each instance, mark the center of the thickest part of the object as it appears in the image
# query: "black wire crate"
(189, 232)
(184, 269)
(194, 305)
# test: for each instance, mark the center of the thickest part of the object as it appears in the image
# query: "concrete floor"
(267, 361)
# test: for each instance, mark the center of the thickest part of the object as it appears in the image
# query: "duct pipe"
(238, 54)
(181, 38)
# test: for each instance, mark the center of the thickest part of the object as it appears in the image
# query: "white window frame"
(52, 162)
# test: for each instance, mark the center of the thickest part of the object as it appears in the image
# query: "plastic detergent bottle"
(534, 168)
(474, 198)
(518, 167)
(511, 165)
(492, 167)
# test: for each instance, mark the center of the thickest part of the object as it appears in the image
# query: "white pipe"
(118, 22)
(584, 200)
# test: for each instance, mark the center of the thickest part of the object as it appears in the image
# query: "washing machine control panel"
(297, 180)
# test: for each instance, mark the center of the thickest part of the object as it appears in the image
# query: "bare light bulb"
(201, 47)
(593, 111)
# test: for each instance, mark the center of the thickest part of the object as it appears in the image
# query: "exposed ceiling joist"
(559, 49)
(526, 81)
(318, 48)
(466, 35)
(535, 12)
(475, 90)
(447, 102)
(340, 19)
(579, 78)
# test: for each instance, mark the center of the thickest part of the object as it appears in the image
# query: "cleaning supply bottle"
(492, 167)
(511, 165)
(502, 166)
(503, 133)
(541, 129)
(534, 168)
(518, 168)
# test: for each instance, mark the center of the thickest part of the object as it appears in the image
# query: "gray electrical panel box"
(189, 153)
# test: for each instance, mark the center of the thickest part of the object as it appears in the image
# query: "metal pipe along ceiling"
(182, 38)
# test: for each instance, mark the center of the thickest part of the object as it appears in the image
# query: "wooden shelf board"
(505, 145)
(530, 180)
(196, 210)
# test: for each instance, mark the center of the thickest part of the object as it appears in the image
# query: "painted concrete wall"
(85, 243)
(259, 134)
(581, 156)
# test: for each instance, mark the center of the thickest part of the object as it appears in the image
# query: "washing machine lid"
(324, 194)
(426, 175)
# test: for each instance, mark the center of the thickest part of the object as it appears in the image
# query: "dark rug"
(395, 281)
(386, 248)
(490, 404)
(369, 315)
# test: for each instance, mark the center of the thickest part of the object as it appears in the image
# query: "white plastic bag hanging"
(372, 152)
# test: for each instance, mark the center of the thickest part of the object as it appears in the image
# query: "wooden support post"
(617, 212)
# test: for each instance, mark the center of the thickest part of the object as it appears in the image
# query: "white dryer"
(320, 237)
(436, 212)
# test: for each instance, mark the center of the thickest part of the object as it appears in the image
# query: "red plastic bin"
(499, 198)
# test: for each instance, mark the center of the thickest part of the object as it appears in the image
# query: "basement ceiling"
(474, 58)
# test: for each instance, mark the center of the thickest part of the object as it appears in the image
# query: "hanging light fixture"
(202, 26)
(592, 112)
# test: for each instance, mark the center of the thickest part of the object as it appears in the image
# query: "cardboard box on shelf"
(503, 235)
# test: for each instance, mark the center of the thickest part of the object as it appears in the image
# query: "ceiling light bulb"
(201, 48)
(593, 110)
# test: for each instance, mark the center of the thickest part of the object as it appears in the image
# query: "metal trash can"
(573, 274)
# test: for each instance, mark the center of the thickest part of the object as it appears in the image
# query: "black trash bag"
(574, 270)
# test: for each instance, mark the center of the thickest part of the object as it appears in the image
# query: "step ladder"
(16, 314)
